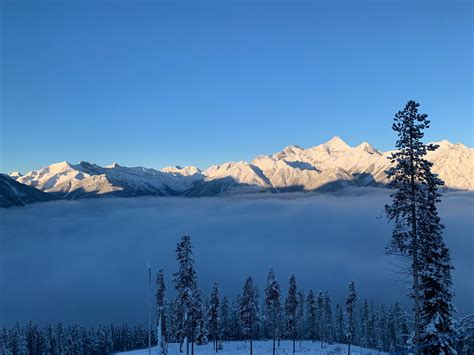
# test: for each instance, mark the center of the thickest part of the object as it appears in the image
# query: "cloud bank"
(84, 261)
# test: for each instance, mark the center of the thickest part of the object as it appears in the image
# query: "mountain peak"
(336, 144)
(289, 150)
(292, 148)
(63, 165)
(366, 147)
(182, 170)
(15, 174)
(112, 166)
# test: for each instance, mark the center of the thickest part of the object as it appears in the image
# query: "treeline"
(376, 327)
(72, 339)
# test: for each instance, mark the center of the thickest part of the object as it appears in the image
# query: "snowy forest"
(251, 315)
(191, 318)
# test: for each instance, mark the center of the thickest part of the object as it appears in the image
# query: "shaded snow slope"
(13, 193)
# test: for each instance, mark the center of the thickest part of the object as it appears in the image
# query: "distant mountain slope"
(13, 193)
(88, 180)
(326, 167)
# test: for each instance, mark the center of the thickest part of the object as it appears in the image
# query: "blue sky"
(157, 83)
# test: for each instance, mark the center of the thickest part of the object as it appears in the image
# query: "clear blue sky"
(157, 83)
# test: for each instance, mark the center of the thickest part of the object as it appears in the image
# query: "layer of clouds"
(85, 260)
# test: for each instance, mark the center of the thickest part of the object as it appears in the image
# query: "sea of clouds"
(84, 261)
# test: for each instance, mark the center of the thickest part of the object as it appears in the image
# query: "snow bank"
(265, 347)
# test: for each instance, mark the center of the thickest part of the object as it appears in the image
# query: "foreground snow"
(265, 347)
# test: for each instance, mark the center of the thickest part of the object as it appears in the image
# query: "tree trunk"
(349, 348)
(416, 286)
(251, 335)
(294, 348)
(274, 330)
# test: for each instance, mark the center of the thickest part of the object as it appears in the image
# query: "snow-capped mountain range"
(326, 167)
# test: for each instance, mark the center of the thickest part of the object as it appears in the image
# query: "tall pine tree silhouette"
(418, 231)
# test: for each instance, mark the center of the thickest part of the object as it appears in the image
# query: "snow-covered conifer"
(248, 311)
(436, 299)
(161, 304)
(225, 320)
(213, 317)
(371, 326)
(350, 307)
(187, 305)
(382, 336)
(300, 316)
(311, 316)
(328, 319)
(272, 308)
(364, 324)
(418, 231)
(340, 334)
(321, 327)
(291, 305)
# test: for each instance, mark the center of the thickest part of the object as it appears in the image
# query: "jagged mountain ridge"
(326, 167)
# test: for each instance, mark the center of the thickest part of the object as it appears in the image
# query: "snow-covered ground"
(265, 347)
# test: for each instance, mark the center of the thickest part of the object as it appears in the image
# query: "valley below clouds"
(85, 260)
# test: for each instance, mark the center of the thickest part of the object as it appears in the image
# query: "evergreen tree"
(364, 323)
(404, 330)
(272, 308)
(340, 336)
(225, 320)
(161, 304)
(4, 341)
(311, 315)
(213, 317)
(418, 231)
(321, 327)
(235, 320)
(436, 308)
(382, 342)
(202, 331)
(187, 304)
(197, 322)
(291, 306)
(300, 316)
(328, 319)
(31, 335)
(17, 340)
(350, 306)
(371, 336)
(248, 311)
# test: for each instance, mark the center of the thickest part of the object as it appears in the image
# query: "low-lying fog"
(85, 260)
